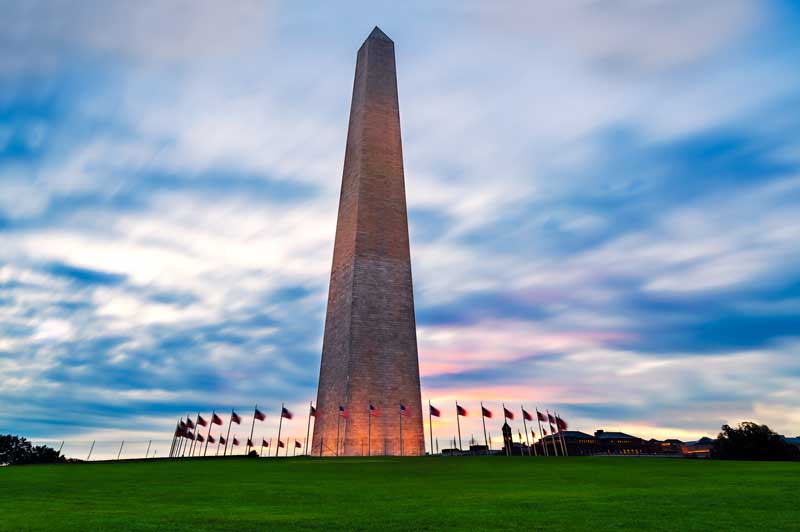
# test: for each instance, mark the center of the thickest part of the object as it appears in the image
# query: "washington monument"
(369, 352)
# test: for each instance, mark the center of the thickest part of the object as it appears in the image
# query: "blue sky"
(604, 203)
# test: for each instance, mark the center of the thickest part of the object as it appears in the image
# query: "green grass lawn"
(431, 493)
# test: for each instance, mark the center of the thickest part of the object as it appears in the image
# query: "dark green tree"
(15, 450)
(751, 441)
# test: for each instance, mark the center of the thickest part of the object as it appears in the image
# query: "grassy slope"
(469, 493)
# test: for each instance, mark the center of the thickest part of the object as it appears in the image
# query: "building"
(702, 448)
(618, 443)
(671, 447)
(369, 350)
(578, 443)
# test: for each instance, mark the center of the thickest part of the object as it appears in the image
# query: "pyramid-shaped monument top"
(377, 33)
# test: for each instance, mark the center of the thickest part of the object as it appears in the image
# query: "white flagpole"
(483, 418)
(210, 423)
(280, 424)
(230, 421)
(308, 429)
(430, 424)
(525, 426)
(552, 434)
(541, 434)
(458, 423)
(561, 434)
(247, 448)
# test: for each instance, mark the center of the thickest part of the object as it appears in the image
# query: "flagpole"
(185, 443)
(173, 452)
(308, 429)
(458, 423)
(552, 434)
(483, 418)
(120, 449)
(541, 435)
(174, 437)
(210, 423)
(253, 426)
(147, 452)
(430, 424)
(533, 439)
(369, 430)
(505, 422)
(196, 428)
(561, 434)
(286, 454)
(338, 423)
(191, 445)
(228, 437)
(401, 431)
(90, 451)
(525, 426)
(344, 436)
(280, 424)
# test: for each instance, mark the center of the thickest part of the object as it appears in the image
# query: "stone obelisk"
(369, 352)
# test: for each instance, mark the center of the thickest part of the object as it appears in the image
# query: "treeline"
(751, 441)
(15, 450)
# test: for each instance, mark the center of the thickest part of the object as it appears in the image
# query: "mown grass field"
(431, 493)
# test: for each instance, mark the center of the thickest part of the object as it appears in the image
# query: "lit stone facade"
(369, 352)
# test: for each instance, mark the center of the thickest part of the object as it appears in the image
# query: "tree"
(15, 450)
(751, 441)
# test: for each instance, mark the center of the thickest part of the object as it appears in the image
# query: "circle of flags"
(188, 438)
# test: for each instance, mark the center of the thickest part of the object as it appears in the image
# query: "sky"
(604, 209)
